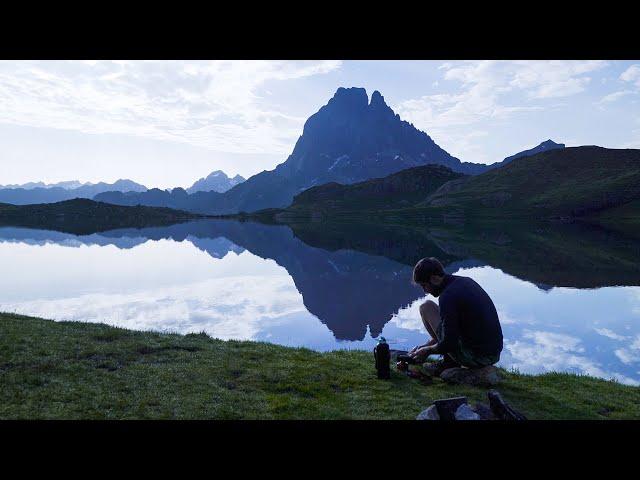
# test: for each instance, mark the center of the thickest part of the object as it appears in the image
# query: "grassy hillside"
(399, 190)
(594, 184)
(579, 181)
(69, 370)
(81, 216)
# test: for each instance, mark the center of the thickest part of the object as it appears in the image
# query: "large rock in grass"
(501, 409)
(430, 413)
(482, 377)
(447, 407)
(457, 408)
(464, 412)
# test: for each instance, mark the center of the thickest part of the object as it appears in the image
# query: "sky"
(167, 123)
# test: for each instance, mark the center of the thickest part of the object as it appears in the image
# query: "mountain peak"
(377, 99)
(542, 147)
(217, 181)
(551, 143)
(379, 107)
(352, 96)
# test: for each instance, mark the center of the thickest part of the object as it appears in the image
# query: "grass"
(72, 370)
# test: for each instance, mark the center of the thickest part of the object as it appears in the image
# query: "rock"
(417, 374)
(484, 411)
(486, 376)
(447, 407)
(464, 412)
(500, 409)
(433, 369)
(430, 413)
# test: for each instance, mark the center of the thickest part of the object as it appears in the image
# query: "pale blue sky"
(168, 123)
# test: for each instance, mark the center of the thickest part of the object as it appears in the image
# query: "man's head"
(429, 274)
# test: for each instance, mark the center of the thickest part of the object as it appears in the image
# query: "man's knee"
(429, 308)
(430, 312)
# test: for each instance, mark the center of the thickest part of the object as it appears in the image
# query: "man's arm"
(450, 335)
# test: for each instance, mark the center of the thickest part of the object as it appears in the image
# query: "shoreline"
(76, 370)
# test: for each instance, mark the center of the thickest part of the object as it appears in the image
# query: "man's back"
(468, 313)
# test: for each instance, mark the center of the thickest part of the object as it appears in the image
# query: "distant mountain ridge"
(65, 191)
(542, 147)
(350, 139)
(31, 185)
(216, 181)
(73, 184)
(40, 192)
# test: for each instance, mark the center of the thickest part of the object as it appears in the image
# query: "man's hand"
(421, 353)
(430, 343)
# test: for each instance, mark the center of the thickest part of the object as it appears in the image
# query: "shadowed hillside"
(571, 182)
(402, 189)
(87, 216)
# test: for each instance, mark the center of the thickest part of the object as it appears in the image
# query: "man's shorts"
(465, 356)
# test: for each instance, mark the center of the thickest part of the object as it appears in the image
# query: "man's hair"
(425, 268)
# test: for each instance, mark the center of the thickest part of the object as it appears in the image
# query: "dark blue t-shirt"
(468, 314)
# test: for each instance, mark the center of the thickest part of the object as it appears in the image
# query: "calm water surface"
(325, 289)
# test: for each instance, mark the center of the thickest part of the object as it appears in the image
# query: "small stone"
(486, 376)
(430, 413)
(464, 412)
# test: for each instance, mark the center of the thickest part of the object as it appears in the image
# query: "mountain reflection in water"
(567, 294)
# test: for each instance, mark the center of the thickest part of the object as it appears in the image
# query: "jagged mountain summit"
(350, 139)
(217, 181)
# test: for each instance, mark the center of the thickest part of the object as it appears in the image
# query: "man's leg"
(430, 313)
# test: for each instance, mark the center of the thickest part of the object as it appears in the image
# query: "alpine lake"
(568, 295)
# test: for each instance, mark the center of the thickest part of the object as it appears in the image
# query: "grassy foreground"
(71, 370)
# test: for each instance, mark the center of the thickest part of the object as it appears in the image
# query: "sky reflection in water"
(290, 293)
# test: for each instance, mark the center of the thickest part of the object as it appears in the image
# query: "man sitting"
(464, 328)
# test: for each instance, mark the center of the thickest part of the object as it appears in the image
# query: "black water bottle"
(383, 357)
